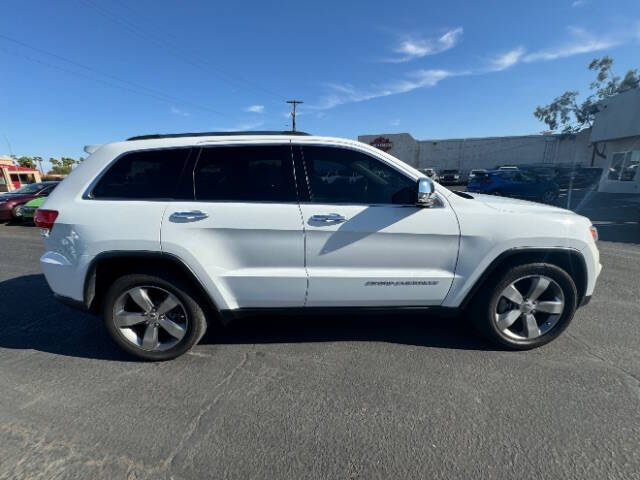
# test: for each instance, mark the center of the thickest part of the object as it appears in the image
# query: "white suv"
(164, 233)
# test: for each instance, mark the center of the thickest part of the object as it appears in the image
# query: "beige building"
(13, 176)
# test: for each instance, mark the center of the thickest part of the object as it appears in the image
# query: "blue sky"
(433, 69)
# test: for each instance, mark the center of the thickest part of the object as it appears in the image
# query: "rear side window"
(245, 174)
(151, 174)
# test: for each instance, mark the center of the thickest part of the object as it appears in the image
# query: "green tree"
(62, 166)
(38, 161)
(27, 162)
(567, 114)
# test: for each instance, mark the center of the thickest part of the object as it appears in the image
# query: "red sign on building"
(382, 143)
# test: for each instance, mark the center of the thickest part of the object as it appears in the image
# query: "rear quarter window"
(150, 174)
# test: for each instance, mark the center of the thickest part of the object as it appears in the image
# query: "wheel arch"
(569, 259)
(108, 266)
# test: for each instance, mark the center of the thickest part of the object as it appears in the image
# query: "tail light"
(45, 218)
(594, 232)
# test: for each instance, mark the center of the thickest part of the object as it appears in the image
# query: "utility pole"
(293, 114)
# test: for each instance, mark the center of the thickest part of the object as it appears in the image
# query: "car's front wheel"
(16, 213)
(153, 318)
(528, 306)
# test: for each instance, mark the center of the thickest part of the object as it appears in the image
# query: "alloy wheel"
(150, 318)
(529, 307)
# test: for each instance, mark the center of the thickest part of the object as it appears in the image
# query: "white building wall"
(610, 148)
(468, 153)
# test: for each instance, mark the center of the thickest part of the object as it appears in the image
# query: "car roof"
(215, 134)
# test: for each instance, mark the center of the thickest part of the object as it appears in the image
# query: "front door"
(242, 232)
(367, 244)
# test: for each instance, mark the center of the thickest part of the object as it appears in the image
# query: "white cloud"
(181, 113)
(578, 3)
(255, 109)
(583, 42)
(395, 122)
(346, 93)
(417, 47)
(506, 60)
(580, 43)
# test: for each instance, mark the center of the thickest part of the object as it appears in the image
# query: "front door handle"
(191, 216)
(328, 218)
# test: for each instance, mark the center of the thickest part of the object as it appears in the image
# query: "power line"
(161, 41)
(139, 89)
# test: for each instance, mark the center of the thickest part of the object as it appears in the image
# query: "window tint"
(253, 174)
(338, 175)
(149, 174)
(508, 175)
(528, 177)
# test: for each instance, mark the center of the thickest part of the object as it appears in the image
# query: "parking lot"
(348, 397)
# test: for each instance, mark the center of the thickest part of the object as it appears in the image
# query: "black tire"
(14, 214)
(486, 302)
(196, 322)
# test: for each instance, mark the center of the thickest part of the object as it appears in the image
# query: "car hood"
(513, 205)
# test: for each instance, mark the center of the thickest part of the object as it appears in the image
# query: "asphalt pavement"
(342, 397)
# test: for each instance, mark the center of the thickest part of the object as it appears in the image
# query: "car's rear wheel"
(152, 317)
(528, 306)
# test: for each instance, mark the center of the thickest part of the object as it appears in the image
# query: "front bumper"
(27, 213)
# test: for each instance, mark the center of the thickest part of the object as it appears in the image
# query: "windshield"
(28, 189)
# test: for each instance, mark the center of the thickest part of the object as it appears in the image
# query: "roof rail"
(213, 134)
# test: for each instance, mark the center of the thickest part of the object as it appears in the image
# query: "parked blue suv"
(515, 183)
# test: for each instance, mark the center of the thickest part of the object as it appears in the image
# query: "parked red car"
(10, 201)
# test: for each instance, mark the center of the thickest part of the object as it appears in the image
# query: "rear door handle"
(191, 216)
(328, 218)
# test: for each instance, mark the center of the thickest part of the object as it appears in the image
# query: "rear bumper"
(65, 275)
(5, 213)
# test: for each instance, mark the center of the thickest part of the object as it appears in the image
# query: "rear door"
(241, 230)
(367, 244)
(123, 210)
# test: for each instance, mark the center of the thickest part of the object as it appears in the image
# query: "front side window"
(509, 176)
(338, 175)
(245, 174)
(150, 174)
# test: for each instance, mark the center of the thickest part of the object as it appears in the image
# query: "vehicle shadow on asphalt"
(414, 329)
(32, 319)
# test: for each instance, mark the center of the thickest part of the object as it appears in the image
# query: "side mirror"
(426, 192)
